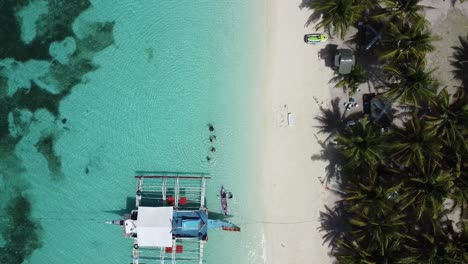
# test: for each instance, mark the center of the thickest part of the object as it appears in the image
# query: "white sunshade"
(154, 226)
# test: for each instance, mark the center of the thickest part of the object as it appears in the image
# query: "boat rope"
(254, 221)
(4, 217)
(70, 219)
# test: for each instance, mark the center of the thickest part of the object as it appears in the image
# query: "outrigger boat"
(170, 215)
(315, 38)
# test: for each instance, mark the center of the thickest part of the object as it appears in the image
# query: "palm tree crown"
(338, 15)
(448, 120)
(410, 83)
(406, 43)
(361, 144)
(404, 11)
(412, 146)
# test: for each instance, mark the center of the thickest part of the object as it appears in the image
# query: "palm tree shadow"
(335, 160)
(334, 223)
(460, 62)
(315, 16)
(331, 120)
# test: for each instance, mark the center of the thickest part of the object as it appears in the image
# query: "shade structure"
(154, 226)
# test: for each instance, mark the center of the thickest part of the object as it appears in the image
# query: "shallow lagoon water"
(134, 89)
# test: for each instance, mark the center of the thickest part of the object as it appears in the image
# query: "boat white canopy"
(154, 226)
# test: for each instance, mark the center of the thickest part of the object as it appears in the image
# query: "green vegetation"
(402, 11)
(460, 62)
(413, 85)
(20, 232)
(404, 188)
(338, 15)
(404, 43)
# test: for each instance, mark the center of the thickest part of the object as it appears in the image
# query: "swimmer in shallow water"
(210, 127)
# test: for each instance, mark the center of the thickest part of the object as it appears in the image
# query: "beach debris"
(290, 119)
(212, 138)
(213, 149)
(208, 158)
(350, 104)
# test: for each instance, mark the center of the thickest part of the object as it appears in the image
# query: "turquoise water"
(163, 71)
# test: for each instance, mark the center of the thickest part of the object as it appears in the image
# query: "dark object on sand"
(213, 149)
(212, 138)
(366, 102)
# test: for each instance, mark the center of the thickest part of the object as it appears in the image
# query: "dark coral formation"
(45, 146)
(21, 234)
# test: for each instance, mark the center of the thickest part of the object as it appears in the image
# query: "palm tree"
(460, 196)
(410, 83)
(361, 145)
(406, 43)
(364, 189)
(338, 15)
(404, 11)
(460, 62)
(352, 80)
(426, 188)
(379, 228)
(413, 146)
(434, 248)
(353, 252)
(448, 120)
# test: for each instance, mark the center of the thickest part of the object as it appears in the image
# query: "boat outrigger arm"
(169, 215)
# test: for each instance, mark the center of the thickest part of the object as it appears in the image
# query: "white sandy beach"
(295, 80)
